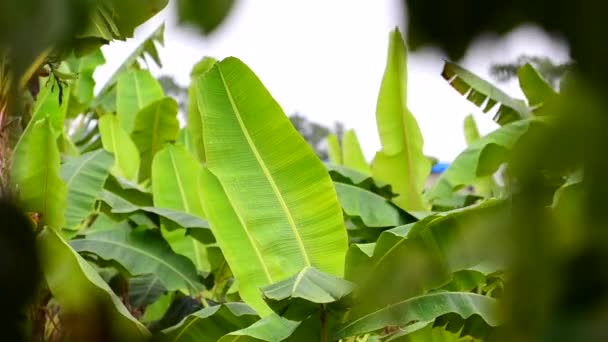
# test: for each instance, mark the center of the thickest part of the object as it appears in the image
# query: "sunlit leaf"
(116, 141)
(372, 209)
(352, 154)
(135, 90)
(401, 162)
(270, 202)
(334, 150)
(155, 125)
(194, 126)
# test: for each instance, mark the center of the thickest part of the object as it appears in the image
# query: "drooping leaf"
(210, 324)
(536, 89)
(333, 149)
(423, 331)
(194, 126)
(145, 290)
(271, 328)
(264, 179)
(82, 88)
(142, 252)
(424, 308)
(155, 125)
(343, 174)
(372, 209)
(305, 293)
(84, 177)
(207, 15)
(482, 158)
(116, 141)
(432, 248)
(401, 161)
(485, 95)
(107, 94)
(174, 218)
(80, 290)
(135, 90)
(352, 153)
(36, 176)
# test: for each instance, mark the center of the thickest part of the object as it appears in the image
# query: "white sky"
(325, 59)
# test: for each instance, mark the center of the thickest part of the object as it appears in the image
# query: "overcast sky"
(325, 60)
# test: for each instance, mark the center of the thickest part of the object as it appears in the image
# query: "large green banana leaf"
(116, 141)
(175, 175)
(135, 90)
(273, 207)
(84, 177)
(483, 94)
(352, 154)
(35, 174)
(155, 125)
(80, 290)
(424, 308)
(142, 252)
(195, 126)
(401, 161)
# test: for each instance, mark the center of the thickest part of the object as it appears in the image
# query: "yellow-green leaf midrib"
(265, 170)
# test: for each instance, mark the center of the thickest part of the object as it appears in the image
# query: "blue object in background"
(439, 167)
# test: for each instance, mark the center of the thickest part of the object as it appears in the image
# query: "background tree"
(550, 70)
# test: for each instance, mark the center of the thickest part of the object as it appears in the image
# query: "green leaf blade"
(142, 252)
(424, 308)
(116, 141)
(35, 172)
(155, 125)
(84, 177)
(401, 161)
(79, 288)
(256, 154)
